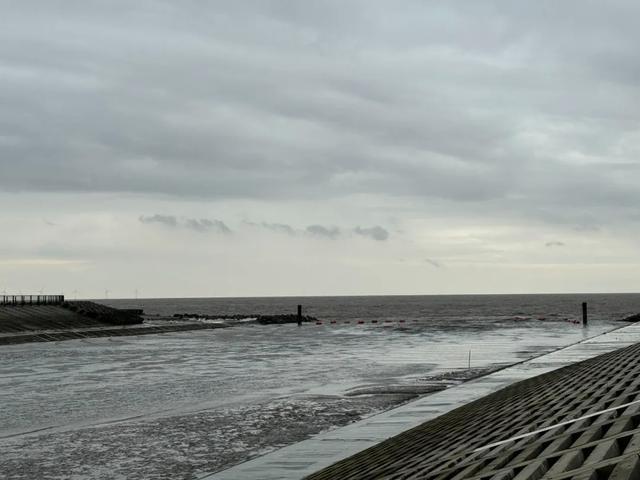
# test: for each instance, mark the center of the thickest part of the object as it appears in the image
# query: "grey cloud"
(490, 103)
(322, 231)
(433, 263)
(279, 228)
(554, 244)
(587, 228)
(206, 225)
(376, 232)
(274, 227)
(168, 220)
(199, 225)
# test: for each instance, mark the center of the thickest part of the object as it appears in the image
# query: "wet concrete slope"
(18, 319)
(578, 422)
(25, 323)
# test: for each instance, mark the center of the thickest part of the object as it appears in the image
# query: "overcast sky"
(186, 148)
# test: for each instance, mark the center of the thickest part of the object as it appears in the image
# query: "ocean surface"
(438, 311)
(175, 404)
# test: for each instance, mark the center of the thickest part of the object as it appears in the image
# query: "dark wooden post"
(584, 314)
(299, 315)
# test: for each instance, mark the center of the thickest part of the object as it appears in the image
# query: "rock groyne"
(277, 319)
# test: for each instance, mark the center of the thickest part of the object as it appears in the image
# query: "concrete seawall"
(34, 319)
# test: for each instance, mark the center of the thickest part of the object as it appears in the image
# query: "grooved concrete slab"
(304, 458)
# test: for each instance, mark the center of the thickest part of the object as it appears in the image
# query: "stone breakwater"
(278, 319)
(632, 318)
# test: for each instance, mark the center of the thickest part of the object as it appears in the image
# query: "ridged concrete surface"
(72, 320)
(435, 449)
(23, 319)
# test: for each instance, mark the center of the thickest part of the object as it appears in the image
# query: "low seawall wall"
(31, 299)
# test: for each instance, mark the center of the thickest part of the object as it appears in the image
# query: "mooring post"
(299, 315)
(584, 314)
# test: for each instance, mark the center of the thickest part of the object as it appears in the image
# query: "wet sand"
(210, 440)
